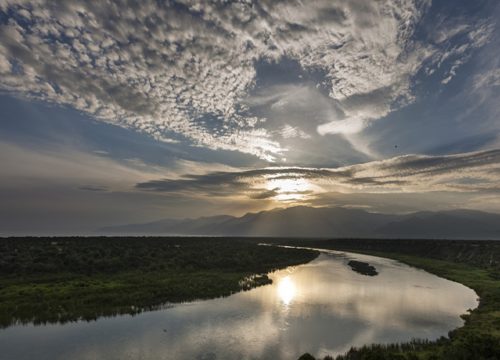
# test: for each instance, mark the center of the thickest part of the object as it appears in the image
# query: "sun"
(290, 190)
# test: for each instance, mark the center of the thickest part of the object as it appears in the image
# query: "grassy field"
(65, 279)
(474, 264)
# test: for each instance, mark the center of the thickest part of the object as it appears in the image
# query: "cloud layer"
(468, 172)
(181, 70)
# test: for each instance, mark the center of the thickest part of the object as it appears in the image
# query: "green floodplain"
(65, 279)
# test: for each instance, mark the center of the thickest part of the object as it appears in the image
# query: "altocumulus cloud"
(179, 71)
(468, 172)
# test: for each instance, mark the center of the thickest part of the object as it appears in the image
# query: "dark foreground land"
(64, 279)
(475, 264)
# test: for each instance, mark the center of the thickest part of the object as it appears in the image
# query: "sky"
(115, 112)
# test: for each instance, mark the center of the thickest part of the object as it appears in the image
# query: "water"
(322, 307)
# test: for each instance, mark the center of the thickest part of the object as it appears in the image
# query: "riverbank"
(45, 280)
(475, 266)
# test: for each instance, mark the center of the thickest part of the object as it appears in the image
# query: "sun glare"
(286, 290)
(290, 190)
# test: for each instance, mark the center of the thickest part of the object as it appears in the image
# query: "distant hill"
(446, 224)
(334, 222)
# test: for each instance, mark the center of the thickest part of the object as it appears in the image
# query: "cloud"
(24, 167)
(346, 126)
(487, 79)
(447, 45)
(183, 69)
(64, 190)
(93, 188)
(467, 172)
(265, 194)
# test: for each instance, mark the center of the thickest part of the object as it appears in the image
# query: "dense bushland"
(64, 279)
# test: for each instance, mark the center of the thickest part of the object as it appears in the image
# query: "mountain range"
(326, 222)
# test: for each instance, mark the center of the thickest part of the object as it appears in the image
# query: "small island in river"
(362, 268)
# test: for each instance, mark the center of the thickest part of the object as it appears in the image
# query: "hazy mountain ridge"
(303, 221)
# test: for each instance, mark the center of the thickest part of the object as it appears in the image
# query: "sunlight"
(290, 189)
(286, 290)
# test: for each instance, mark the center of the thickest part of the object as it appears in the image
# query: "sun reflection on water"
(286, 290)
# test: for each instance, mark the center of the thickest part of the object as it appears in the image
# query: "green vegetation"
(65, 279)
(472, 263)
(362, 268)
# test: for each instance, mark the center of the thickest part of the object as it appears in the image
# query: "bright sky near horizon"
(128, 111)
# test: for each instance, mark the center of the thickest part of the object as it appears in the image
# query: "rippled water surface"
(322, 307)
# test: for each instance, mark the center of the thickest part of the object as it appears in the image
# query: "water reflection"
(328, 308)
(286, 289)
